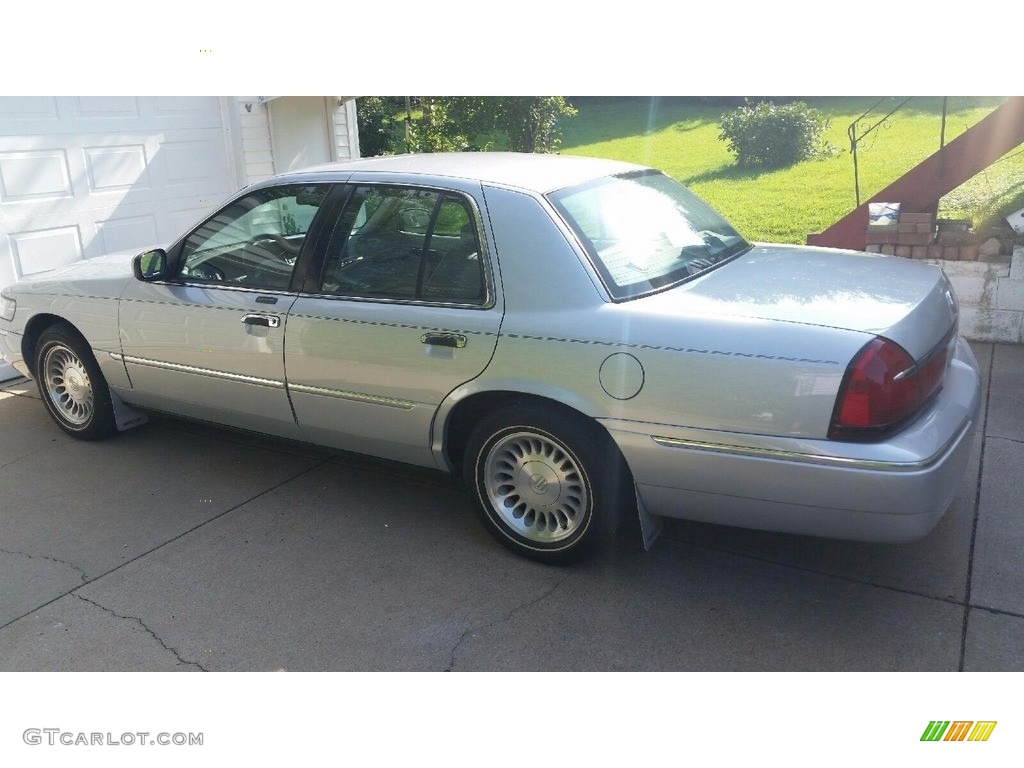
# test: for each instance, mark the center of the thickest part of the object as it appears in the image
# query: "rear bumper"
(893, 491)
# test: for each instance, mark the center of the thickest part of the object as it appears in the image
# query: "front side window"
(408, 244)
(255, 241)
(643, 231)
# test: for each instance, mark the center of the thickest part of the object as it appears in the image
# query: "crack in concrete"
(1008, 439)
(997, 611)
(174, 539)
(977, 509)
(25, 456)
(506, 618)
(31, 395)
(145, 627)
(81, 573)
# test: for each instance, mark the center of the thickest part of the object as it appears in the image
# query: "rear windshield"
(644, 231)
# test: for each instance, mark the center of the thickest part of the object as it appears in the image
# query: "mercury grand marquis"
(584, 341)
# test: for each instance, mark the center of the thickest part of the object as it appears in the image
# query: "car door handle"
(456, 340)
(270, 321)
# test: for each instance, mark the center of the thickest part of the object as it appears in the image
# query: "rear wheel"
(71, 385)
(547, 485)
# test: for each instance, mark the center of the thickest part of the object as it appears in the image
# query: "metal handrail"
(851, 131)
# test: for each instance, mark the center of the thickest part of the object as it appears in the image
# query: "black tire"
(71, 385)
(548, 484)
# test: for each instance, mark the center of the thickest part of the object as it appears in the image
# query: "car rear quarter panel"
(694, 368)
(715, 373)
(895, 490)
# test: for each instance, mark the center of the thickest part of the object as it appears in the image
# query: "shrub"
(379, 134)
(767, 135)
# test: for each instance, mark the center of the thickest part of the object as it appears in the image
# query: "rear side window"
(405, 244)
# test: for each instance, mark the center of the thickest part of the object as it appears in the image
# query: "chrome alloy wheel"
(68, 386)
(536, 487)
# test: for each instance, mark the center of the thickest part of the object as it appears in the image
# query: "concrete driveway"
(184, 547)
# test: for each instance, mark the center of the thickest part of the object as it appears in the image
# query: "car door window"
(255, 241)
(405, 244)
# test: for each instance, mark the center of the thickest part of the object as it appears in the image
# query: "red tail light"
(883, 387)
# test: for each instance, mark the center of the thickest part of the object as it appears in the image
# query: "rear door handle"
(269, 321)
(456, 340)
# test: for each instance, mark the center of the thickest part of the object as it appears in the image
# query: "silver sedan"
(584, 341)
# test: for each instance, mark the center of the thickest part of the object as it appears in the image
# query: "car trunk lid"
(906, 301)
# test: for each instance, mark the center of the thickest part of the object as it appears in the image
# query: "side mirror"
(413, 220)
(151, 265)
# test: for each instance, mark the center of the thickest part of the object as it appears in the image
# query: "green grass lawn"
(680, 136)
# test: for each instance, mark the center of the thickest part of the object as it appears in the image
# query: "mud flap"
(650, 525)
(126, 418)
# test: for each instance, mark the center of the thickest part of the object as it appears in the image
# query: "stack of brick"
(913, 237)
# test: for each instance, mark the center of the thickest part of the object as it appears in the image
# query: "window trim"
(175, 253)
(313, 286)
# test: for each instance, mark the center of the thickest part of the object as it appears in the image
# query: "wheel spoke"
(68, 386)
(535, 486)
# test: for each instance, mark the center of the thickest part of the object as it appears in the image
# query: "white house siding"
(346, 130)
(256, 144)
(256, 154)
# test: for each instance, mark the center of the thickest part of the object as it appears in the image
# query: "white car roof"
(533, 172)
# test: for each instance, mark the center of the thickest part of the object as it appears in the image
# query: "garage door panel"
(127, 233)
(123, 170)
(127, 228)
(116, 169)
(184, 106)
(82, 176)
(191, 161)
(46, 115)
(34, 175)
(93, 107)
(18, 109)
(41, 250)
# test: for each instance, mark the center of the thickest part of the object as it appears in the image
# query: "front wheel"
(71, 385)
(547, 485)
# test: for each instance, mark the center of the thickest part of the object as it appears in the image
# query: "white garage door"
(83, 176)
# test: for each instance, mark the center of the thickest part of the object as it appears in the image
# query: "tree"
(455, 123)
(531, 122)
(375, 116)
(528, 123)
(437, 130)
